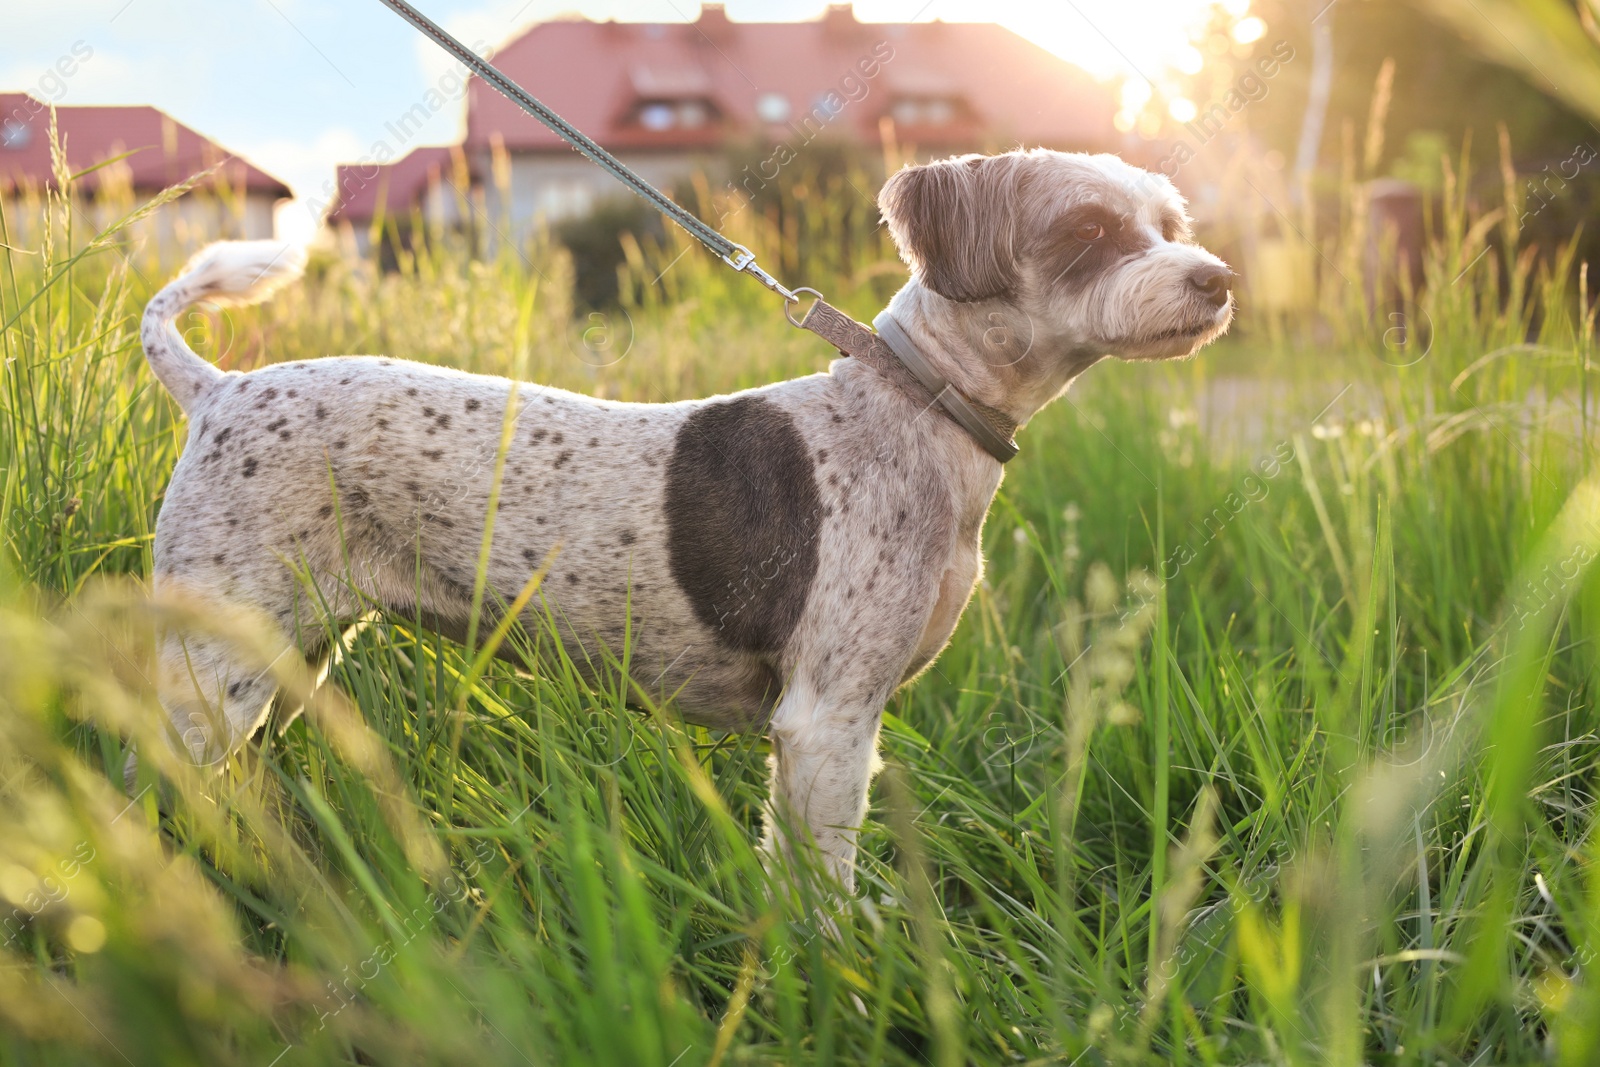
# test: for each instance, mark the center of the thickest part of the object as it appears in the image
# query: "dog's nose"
(1213, 283)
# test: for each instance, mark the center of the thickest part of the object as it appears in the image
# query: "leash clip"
(743, 260)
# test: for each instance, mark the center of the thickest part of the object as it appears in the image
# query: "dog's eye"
(1089, 231)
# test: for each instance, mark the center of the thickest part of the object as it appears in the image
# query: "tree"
(1555, 44)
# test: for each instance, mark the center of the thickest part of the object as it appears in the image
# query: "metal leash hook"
(794, 299)
(743, 260)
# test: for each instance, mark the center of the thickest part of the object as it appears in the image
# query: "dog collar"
(892, 353)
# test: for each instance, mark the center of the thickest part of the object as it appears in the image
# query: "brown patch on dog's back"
(743, 514)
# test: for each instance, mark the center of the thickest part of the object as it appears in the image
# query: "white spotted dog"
(782, 558)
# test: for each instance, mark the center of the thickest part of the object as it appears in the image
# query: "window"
(772, 107)
(656, 117)
(924, 111)
(659, 116)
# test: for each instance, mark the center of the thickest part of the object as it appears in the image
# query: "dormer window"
(925, 110)
(659, 116)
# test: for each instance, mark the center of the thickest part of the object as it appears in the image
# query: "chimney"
(713, 22)
(840, 21)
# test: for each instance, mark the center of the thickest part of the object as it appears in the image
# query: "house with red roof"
(669, 99)
(125, 155)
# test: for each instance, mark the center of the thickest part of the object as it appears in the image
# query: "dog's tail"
(228, 273)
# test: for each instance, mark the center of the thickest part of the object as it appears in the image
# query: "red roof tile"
(946, 85)
(164, 151)
(598, 74)
(364, 188)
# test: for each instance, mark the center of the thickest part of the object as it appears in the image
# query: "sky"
(297, 86)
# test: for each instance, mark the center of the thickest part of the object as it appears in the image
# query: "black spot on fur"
(433, 453)
(235, 688)
(412, 391)
(326, 511)
(561, 459)
(220, 438)
(822, 455)
(626, 537)
(383, 424)
(440, 519)
(529, 554)
(472, 405)
(557, 439)
(593, 441)
(322, 412)
(742, 519)
(339, 443)
(540, 435)
(250, 467)
(429, 412)
(572, 578)
(443, 422)
(219, 559)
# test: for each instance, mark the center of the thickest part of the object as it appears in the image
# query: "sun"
(1145, 45)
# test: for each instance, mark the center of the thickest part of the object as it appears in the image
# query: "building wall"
(551, 186)
(175, 229)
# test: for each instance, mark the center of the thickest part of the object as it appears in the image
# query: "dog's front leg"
(824, 754)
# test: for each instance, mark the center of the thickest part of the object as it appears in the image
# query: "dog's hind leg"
(214, 699)
(225, 639)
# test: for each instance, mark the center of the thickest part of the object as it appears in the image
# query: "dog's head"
(1095, 252)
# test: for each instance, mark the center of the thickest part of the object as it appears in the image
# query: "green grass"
(1269, 738)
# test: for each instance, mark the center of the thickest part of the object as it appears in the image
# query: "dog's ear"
(955, 223)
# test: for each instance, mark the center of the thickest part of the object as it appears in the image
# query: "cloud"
(305, 166)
